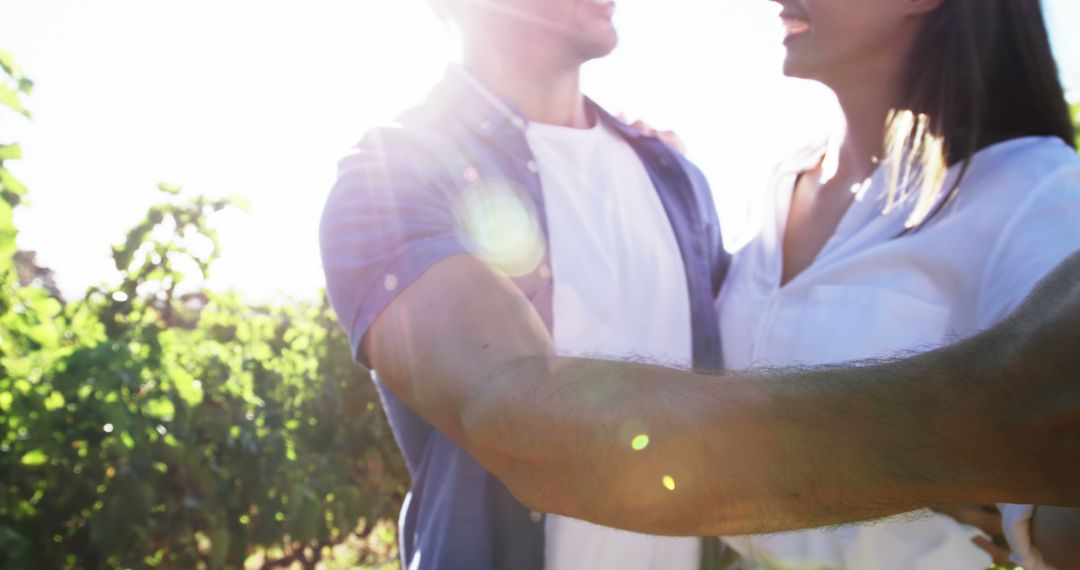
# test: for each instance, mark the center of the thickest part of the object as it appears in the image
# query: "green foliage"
(146, 425)
(13, 84)
(1076, 121)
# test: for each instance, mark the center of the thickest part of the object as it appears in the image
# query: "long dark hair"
(980, 72)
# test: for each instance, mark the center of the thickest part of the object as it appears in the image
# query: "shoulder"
(1027, 167)
(395, 170)
(416, 135)
(1026, 204)
(791, 166)
(780, 181)
(1027, 192)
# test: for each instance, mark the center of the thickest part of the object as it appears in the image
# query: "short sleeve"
(386, 222)
(1042, 233)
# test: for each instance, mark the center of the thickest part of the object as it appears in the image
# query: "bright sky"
(260, 97)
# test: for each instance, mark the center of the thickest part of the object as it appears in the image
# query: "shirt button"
(519, 123)
(532, 166)
(544, 272)
(535, 516)
(486, 125)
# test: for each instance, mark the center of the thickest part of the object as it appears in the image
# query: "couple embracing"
(510, 260)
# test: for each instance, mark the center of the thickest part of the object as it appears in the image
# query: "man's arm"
(442, 341)
(737, 454)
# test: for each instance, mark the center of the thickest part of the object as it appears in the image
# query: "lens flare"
(640, 442)
(499, 222)
(669, 482)
(635, 431)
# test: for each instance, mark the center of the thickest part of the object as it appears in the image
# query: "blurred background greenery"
(145, 425)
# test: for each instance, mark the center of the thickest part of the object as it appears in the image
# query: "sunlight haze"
(260, 99)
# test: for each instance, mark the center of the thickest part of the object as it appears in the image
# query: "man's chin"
(598, 48)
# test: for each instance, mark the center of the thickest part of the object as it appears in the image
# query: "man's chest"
(619, 282)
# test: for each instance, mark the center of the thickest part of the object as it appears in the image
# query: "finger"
(671, 139)
(644, 128)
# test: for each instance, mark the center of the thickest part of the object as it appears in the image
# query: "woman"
(952, 190)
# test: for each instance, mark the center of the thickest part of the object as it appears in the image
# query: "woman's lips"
(794, 26)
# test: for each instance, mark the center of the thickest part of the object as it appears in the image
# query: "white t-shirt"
(869, 295)
(620, 292)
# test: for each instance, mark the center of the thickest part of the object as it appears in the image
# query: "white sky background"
(259, 98)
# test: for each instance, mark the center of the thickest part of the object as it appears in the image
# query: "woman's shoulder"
(781, 180)
(760, 206)
(796, 162)
(1027, 164)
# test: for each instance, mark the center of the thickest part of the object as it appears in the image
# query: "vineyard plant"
(153, 424)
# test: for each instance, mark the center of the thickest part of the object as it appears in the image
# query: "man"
(510, 201)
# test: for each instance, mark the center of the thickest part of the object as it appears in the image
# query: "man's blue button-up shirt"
(391, 216)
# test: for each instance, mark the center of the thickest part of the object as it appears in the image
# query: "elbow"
(483, 428)
(504, 429)
(493, 439)
(502, 417)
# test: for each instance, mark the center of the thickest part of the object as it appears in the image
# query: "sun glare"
(259, 99)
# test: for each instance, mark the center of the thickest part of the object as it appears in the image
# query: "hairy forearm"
(745, 453)
(739, 454)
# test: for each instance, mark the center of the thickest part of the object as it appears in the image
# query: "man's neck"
(542, 88)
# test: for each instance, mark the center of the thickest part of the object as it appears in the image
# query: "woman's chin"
(796, 68)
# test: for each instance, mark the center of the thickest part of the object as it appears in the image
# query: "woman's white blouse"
(873, 294)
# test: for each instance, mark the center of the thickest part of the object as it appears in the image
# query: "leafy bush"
(145, 426)
(1076, 121)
